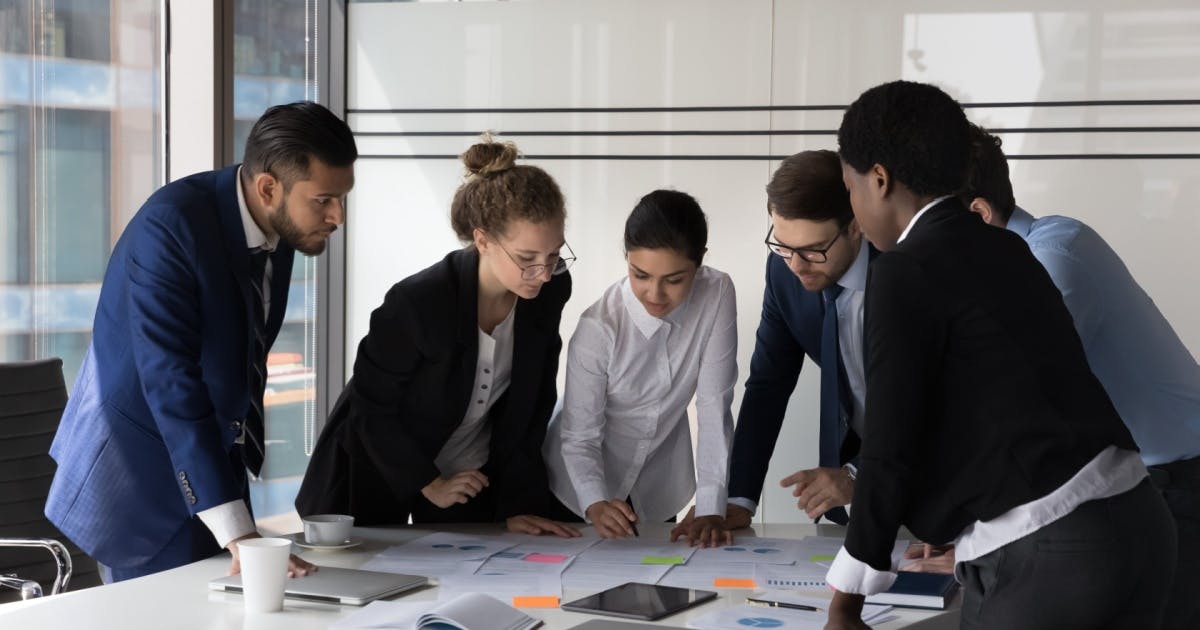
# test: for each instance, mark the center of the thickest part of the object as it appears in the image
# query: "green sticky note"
(662, 560)
(821, 559)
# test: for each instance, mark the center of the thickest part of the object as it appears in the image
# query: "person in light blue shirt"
(1151, 377)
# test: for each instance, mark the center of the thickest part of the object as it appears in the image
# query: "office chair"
(32, 397)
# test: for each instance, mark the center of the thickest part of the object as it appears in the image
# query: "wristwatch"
(851, 472)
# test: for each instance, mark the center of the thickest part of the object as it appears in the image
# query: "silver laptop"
(339, 586)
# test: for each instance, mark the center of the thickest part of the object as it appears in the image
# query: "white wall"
(753, 53)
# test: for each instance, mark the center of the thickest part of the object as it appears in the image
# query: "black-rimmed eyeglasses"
(811, 254)
(529, 272)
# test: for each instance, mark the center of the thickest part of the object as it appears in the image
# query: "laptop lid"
(332, 584)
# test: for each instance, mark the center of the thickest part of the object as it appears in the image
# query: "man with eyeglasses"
(812, 305)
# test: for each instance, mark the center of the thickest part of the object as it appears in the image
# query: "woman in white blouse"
(620, 450)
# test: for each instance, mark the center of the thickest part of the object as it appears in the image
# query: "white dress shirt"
(1111, 472)
(850, 333)
(232, 520)
(622, 430)
(470, 444)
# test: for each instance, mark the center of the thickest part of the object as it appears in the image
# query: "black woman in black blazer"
(411, 387)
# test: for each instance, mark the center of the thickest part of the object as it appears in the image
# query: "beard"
(290, 233)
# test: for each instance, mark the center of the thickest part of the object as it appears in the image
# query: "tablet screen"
(640, 601)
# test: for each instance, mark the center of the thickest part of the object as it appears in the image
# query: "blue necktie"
(832, 431)
(254, 429)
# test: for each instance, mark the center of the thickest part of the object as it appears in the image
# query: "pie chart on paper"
(760, 622)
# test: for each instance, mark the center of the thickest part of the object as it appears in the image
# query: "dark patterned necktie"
(253, 451)
(832, 429)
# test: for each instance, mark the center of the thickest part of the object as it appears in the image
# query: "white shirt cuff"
(589, 494)
(710, 502)
(752, 506)
(228, 521)
(850, 575)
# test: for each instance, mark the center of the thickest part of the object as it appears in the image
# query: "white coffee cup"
(327, 529)
(264, 572)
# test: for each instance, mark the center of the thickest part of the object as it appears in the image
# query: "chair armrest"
(61, 557)
(29, 589)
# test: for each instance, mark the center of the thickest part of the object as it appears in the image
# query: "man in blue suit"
(1148, 372)
(166, 415)
(812, 305)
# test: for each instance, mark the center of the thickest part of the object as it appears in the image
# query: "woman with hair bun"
(444, 417)
(620, 451)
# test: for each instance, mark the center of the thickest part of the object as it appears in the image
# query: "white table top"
(181, 599)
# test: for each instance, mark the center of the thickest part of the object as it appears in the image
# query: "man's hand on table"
(927, 558)
(736, 517)
(819, 490)
(296, 565)
(845, 612)
(706, 531)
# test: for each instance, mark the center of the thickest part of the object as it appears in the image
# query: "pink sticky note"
(547, 558)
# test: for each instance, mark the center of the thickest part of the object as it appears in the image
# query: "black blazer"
(410, 390)
(979, 396)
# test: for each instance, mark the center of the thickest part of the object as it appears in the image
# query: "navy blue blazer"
(789, 329)
(147, 439)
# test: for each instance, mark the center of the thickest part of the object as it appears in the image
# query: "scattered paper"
(600, 576)
(637, 551)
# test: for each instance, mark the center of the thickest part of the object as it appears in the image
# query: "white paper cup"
(327, 529)
(264, 572)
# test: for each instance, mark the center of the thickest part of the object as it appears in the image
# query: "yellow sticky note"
(821, 559)
(662, 560)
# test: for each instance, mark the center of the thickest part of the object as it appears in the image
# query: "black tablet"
(640, 601)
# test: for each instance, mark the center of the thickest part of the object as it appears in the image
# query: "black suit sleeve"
(388, 358)
(906, 332)
(774, 369)
(525, 488)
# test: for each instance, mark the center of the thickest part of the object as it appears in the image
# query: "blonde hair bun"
(489, 156)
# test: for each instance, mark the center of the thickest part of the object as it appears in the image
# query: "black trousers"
(1107, 564)
(1179, 483)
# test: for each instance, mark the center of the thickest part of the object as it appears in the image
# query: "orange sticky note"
(535, 601)
(734, 583)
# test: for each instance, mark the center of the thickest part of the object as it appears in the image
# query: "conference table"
(181, 599)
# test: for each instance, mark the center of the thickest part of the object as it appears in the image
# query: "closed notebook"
(918, 590)
(469, 611)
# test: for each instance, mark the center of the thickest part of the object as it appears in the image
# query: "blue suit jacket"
(789, 329)
(147, 439)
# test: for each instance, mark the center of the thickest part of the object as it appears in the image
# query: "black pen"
(635, 531)
(763, 602)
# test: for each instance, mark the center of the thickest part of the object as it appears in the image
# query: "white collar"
(255, 237)
(645, 322)
(917, 216)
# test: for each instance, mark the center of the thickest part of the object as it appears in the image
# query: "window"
(277, 46)
(80, 149)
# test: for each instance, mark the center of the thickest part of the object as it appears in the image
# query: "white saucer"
(298, 539)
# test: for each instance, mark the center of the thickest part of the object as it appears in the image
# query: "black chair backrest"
(32, 397)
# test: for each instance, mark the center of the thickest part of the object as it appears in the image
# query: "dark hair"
(915, 130)
(498, 190)
(809, 186)
(668, 219)
(285, 137)
(987, 175)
